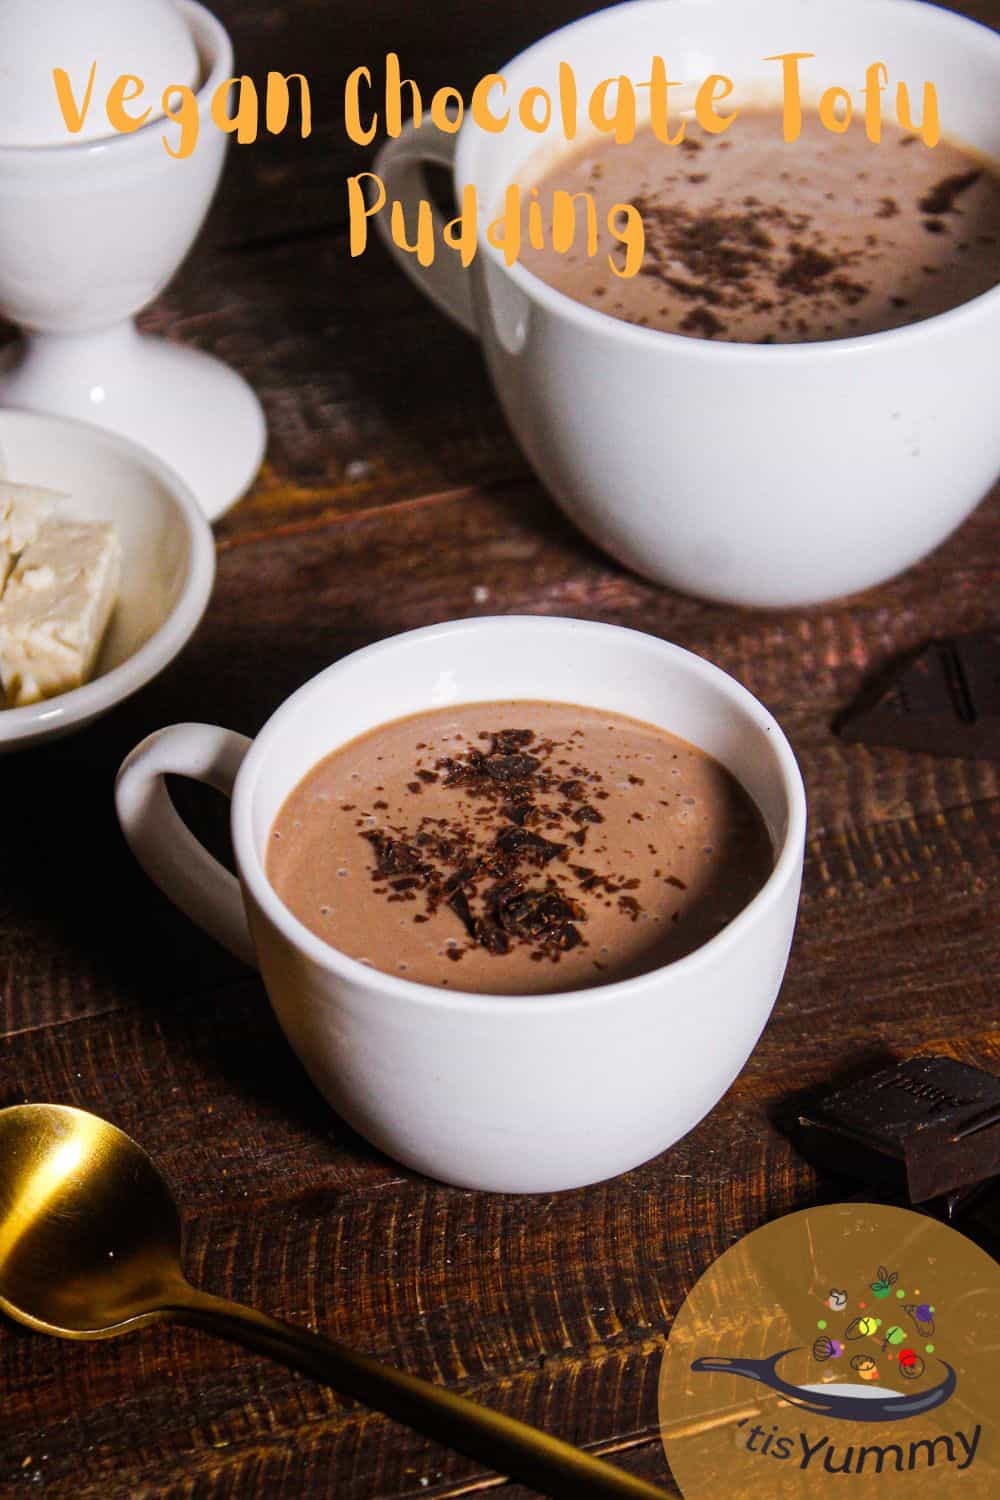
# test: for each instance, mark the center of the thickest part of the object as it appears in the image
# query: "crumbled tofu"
(55, 609)
(23, 509)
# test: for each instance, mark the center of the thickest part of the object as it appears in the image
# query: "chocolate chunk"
(506, 741)
(459, 903)
(394, 856)
(587, 814)
(536, 914)
(929, 1124)
(520, 812)
(945, 700)
(462, 876)
(499, 766)
(573, 789)
(941, 199)
(529, 846)
(491, 937)
(510, 767)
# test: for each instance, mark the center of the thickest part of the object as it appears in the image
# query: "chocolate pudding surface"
(518, 848)
(750, 239)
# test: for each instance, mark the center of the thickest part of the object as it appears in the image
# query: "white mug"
(512, 1093)
(773, 476)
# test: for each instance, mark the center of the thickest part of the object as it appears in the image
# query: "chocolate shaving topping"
(702, 320)
(394, 857)
(508, 740)
(463, 876)
(489, 936)
(941, 198)
(459, 903)
(484, 882)
(806, 266)
(499, 765)
(530, 846)
(510, 767)
(520, 812)
(543, 914)
(716, 258)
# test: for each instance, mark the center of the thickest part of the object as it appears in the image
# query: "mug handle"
(400, 164)
(166, 849)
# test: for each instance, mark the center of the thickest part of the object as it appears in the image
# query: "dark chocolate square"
(928, 1124)
(944, 700)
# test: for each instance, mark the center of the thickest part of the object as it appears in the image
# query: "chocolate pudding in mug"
(752, 239)
(518, 848)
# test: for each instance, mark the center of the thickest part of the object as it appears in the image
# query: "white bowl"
(168, 563)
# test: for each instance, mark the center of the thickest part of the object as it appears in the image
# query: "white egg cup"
(91, 232)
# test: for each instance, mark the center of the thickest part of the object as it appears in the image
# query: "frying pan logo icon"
(850, 1401)
(834, 1400)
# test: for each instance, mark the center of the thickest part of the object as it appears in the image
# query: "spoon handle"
(546, 1463)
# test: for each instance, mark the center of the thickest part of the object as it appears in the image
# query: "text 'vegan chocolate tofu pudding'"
(518, 848)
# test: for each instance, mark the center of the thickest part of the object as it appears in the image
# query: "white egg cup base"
(190, 410)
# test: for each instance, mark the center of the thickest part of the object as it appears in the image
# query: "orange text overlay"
(615, 108)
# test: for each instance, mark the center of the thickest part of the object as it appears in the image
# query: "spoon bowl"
(90, 1237)
(90, 1247)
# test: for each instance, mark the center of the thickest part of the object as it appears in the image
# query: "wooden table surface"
(393, 496)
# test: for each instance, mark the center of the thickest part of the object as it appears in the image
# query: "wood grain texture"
(393, 497)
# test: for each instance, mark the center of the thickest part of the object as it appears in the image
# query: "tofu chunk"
(55, 609)
(23, 509)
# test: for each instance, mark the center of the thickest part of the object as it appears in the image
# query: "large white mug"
(515, 1093)
(774, 476)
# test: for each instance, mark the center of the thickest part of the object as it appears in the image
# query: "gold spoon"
(90, 1247)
